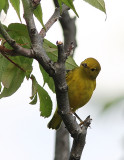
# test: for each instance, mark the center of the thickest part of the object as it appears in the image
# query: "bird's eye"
(93, 69)
(84, 65)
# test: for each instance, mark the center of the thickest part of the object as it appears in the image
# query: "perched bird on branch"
(81, 83)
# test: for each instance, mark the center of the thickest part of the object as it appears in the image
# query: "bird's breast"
(80, 91)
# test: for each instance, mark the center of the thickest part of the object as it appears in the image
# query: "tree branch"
(56, 15)
(77, 132)
(79, 142)
(68, 26)
(36, 39)
(17, 48)
(69, 30)
(28, 16)
(62, 149)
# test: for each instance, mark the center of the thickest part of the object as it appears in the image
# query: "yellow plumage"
(81, 83)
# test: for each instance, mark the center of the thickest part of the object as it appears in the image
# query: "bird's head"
(91, 67)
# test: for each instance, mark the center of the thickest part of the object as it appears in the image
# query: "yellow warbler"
(81, 83)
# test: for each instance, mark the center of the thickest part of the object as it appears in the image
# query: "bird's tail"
(55, 122)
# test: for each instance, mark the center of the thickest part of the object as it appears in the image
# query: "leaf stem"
(13, 62)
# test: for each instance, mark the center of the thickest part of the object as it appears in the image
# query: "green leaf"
(6, 7)
(34, 86)
(0, 86)
(34, 100)
(45, 102)
(70, 63)
(47, 79)
(11, 79)
(8, 75)
(3, 64)
(70, 4)
(16, 6)
(2, 4)
(19, 30)
(12, 76)
(39, 15)
(60, 5)
(34, 90)
(52, 52)
(99, 4)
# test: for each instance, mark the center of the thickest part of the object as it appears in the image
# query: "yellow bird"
(81, 83)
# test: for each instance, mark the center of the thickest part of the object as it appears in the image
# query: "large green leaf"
(38, 14)
(16, 6)
(14, 69)
(13, 76)
(18, 30)
(19, 33)
(99, 4)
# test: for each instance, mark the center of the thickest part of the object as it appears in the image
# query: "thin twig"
(20, 50)
(56, 15)
(13, 62)
(36, 39)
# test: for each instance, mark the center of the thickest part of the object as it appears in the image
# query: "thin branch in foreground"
(56, 15)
